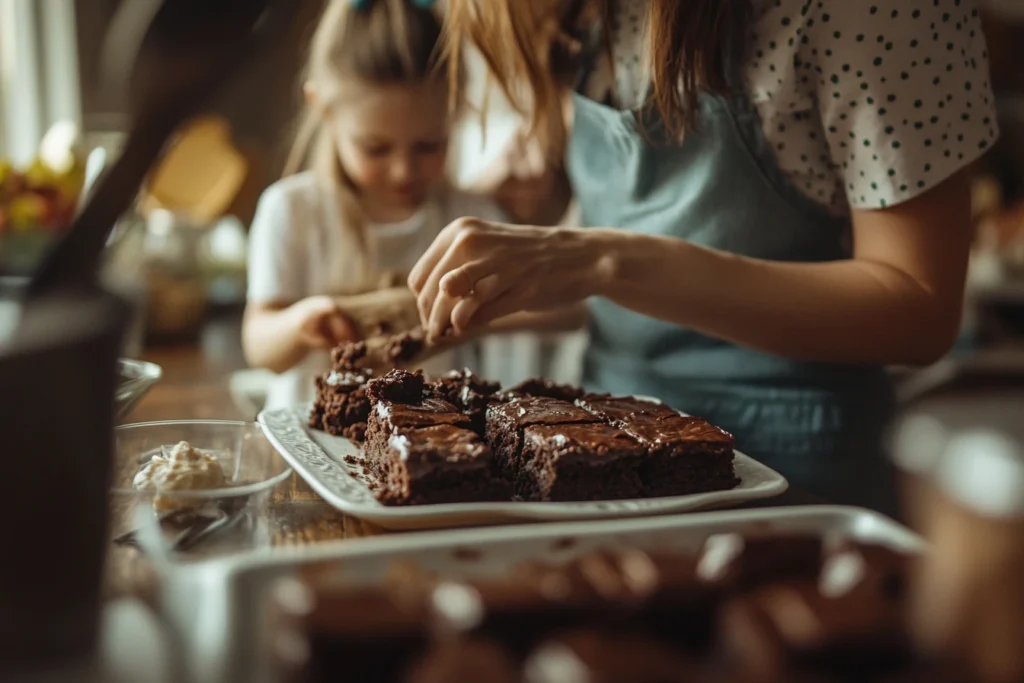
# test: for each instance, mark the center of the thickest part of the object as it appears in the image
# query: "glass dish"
(183, 526)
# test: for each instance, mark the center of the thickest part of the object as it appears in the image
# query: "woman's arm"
(898, 300)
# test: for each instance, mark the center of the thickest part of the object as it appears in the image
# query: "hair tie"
(423, 4)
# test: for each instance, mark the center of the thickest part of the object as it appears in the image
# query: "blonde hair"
(382, 42)
(691, 43)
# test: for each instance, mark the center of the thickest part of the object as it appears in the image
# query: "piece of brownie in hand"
(405, 346)
(506, 422)
(686, 454)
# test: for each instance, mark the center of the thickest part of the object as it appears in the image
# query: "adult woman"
(778, 204)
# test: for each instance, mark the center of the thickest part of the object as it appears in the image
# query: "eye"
(375, 150)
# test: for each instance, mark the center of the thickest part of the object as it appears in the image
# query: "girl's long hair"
(385, 42)
(688, 46)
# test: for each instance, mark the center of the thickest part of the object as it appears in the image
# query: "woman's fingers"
(512, 301)
(463, 313)
(427, 263)
(468, 237)
(487, 289)
(440, 316)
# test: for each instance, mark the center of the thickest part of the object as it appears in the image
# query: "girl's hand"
(320, 324)
(477, 271)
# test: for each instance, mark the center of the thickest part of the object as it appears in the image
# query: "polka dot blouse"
(867, 103)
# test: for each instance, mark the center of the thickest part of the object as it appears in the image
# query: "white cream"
(179, 468)
(401, 444)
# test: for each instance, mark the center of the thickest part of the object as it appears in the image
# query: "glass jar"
(962, 449)
(176, 292)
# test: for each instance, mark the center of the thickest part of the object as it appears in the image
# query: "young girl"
(375, 137)
(778, 204)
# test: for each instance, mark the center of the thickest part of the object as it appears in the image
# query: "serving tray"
(330, 465)
(232, 593)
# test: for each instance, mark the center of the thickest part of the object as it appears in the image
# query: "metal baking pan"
(222, 604)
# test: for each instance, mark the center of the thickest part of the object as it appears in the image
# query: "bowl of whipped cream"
(193, 489)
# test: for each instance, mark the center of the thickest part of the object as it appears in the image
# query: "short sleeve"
(276, 263)
(902, 90)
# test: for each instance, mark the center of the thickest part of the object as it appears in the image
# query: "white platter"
(320, 459)
(232, 593)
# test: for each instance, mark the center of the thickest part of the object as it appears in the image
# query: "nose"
(403, 169)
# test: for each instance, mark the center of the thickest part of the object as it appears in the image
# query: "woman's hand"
(477, 271)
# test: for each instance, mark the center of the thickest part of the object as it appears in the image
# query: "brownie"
(563, 462)
(868, 570)
(596, 656)
(518, 610)
(348, 356)
(341, 406)
(367, 634)
(506, 422)
(397, 386)
(388, 418)
(439, 464)
(686, 454)
(741, 562)
(792, 624)
(405, 346)
(544, 388)
(468, 392)
(465, 660)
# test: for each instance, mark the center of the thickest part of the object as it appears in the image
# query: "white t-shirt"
(297, 249)
(866, 103)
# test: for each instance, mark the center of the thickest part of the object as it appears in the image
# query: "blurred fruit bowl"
(37, 205)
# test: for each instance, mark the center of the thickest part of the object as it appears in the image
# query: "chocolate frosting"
(580, 441)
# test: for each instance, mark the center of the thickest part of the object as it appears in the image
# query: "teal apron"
(819, 424)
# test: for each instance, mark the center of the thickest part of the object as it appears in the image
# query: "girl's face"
(392, 142)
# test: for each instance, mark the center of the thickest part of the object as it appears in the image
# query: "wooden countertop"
(195, 385)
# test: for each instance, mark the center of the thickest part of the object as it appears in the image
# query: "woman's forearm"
(270, 339)
(854, 311)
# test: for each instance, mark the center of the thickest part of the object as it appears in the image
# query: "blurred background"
(180, 254)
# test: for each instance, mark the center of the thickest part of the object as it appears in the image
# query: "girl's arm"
(898, 300)
(277, 337)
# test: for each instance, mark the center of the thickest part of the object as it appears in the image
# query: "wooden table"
(195, 385)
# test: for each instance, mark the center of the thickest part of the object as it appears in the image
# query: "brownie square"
(544, 388)
(388, 418)
(560, 462)
(341, 407)
(437, 464)
(469, 393)
(506, 421)
(617, 410)
(397, 386)
(686, 454)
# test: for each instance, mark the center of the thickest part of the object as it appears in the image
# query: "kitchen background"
(181, 255)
